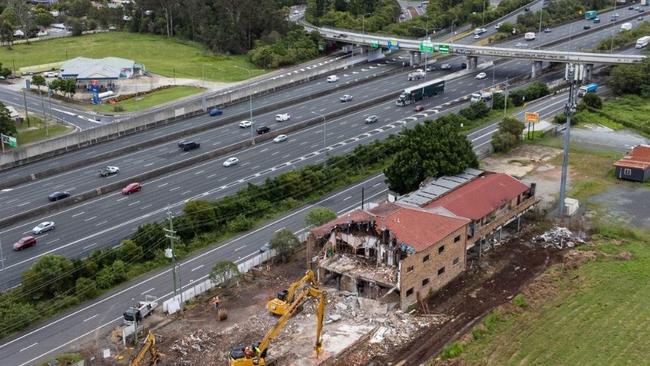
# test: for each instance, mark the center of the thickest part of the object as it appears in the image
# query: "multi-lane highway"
(104, 221)
(96, 317)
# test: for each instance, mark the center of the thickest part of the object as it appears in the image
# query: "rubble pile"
(560, 238)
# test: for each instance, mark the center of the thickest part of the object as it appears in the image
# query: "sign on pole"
(426, 46)
(393, 44)
(374, 43)
(532, 117)
(444, 48)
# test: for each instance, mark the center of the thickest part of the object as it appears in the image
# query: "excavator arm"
(148, 346)
(260, 349)
(279, 305)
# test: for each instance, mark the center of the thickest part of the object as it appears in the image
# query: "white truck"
(479, 31)
(529, 36)
(417, 75)
(142, 310)
(642, 42)
(626, 27)
(481, 96)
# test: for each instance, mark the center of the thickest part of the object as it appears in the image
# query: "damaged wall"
(429, 270)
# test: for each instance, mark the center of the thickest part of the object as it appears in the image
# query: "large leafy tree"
(432, 149)
(50, 275)
(319, 216)
(7, 125)
(284, 242)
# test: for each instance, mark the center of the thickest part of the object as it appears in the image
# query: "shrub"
(452, 351)
(520, 301)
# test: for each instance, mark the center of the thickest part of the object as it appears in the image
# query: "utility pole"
(2, 257)
(170, 253)
(26, 112)
(43, 109)
(573, 74)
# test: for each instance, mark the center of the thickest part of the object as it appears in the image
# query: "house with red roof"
(394, 252)
(635, 165)
(404, 250)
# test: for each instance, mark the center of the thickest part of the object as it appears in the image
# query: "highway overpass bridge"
(416, 47)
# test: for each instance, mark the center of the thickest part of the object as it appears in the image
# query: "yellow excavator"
(255, 354)
(283, 300)
(148, 346)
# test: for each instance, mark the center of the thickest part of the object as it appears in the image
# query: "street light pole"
(324, 127)
(250, 103)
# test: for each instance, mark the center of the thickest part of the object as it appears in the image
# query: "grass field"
(630, 111)
(160, 55)
(149, 100)
(600, 318)
(37, 131)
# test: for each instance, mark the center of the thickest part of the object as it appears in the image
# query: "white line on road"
(89, 245)
(149, 290)
(162, 185)
(101, 223)
(122, 199)
(199, 172)
(186, 192)
(90, 218)
(347, 198)
(92, 317)
(174, 189)
(212, 175)
(264, 150)
(150, 164)
(145, 207)
(28, 347)
(240, 248)
(53, 240)
(195, 268)
(23, 204)
(79, 214)
(134, 203)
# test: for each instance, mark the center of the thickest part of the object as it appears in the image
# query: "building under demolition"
(409, 248)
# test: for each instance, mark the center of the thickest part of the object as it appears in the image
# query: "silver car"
(231, 161)
(280, 138)
(44, 226)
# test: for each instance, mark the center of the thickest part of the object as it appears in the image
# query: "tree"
(44, 19)
(509, 135)
(319, 216)
(506, 27)
(224, 273)
(130, 251)
(39, 81)
(77, 26)
(85, 288)
(592, 100)
(7, 125)
(149, 237)
(284, 242)
(201, 215)
(49, 276)
(432, 149)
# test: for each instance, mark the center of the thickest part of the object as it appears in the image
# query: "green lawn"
(631, 111)
(37, 131)
(601, 319)
(159, 54)
(149, 100)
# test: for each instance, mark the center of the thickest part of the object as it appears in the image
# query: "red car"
(132, 188)
(25, 242)
(419, 108)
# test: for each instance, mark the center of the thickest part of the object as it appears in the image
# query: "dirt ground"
(531, 164)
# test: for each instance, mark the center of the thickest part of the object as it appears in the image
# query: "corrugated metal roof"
(431, 190)
(105, 68)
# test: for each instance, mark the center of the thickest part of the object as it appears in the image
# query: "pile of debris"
(560, 238)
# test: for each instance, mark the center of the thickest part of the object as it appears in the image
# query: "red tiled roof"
(480, 196)
(639, 157)
(415, 227)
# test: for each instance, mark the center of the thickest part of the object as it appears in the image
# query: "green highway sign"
(426, 47)
(444, 48)
(374, 44)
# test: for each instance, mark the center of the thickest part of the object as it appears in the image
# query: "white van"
(626, 26)
(332, 79)
(529, 36)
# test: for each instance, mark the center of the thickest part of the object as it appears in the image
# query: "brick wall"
(501, 216)
(423, 276)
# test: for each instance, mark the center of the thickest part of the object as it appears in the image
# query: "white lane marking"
(264, 150)
(92, 317)
(163, 273)
(347, 198)
(122, 199)
(53, 240)
(147, 291)
(377, 184)
(89, 245)
(198, 267)
(199, 172)
(174, 189)
(28, 347)
(240, 248)
(212, 175)
(79, 214)
(150, 164)
(64, 112)
(275, 153)
(162, 185)
(101, 223)
(186, 192)
(90, 219)
(23, 204)
(27, 232)
(134, 203)
(145, 207)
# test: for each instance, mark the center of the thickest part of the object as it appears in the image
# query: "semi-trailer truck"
(420, 91)
(642, 42)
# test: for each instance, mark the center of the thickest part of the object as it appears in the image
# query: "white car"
(282, 117)
(280, 138)
(481, 76)
(332, 79)
(346, 98)
(499, 24)
(476, 36)
(109, 170)
(50, 74)
(43, 227)
(245, 124)
(231, 161)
